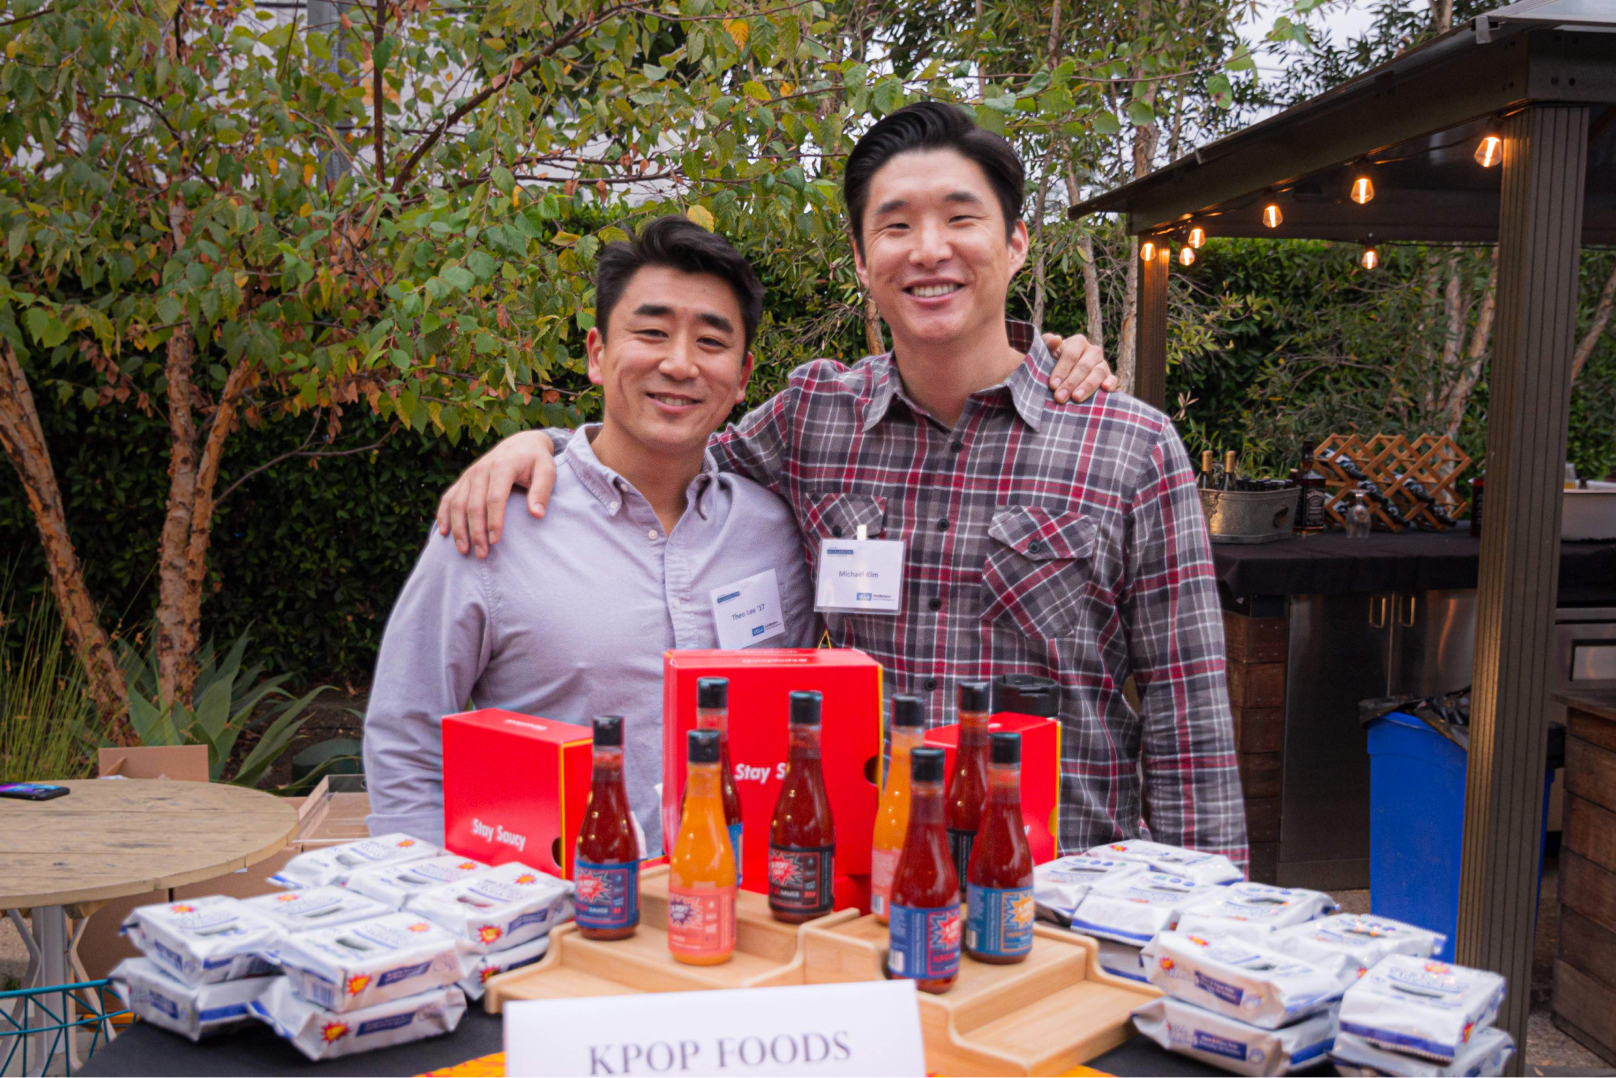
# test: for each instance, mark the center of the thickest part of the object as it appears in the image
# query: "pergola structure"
(1538, 80)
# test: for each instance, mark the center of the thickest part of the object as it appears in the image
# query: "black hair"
(932, 125)
(681, 244)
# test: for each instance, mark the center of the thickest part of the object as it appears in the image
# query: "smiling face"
(935, 255)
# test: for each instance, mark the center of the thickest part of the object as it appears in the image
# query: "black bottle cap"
(1027, 694)
(926, 765)
(1004, 748)
(703, 746)
(975, 695)
(712, 692)
(805, 708)
(908, 711)
(609, 731)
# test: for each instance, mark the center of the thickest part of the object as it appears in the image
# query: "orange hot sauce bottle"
(701, 872)
(606, 870)
(712, 713)
(925, 906)
(968, 785)
(892, 816)
(802, 837)
(998, 884)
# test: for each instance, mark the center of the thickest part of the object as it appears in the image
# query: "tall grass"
(46, 716)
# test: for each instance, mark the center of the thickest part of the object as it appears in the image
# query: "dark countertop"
(1600, 702)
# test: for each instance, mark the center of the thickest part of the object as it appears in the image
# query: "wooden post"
(1150, 336)
(1539, 235)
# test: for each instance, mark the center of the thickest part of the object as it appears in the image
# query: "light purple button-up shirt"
(568, 618)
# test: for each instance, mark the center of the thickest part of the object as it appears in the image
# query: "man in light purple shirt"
(643, 541)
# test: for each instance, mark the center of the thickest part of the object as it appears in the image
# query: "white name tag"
(860, 576)
(868, 1028)
(747, 612)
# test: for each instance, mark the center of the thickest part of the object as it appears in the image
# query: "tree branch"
(302, 451)
(1602, 312)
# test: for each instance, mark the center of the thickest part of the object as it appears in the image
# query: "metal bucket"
(1249, 516)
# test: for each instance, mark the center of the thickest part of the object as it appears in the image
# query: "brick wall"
(1256, 675)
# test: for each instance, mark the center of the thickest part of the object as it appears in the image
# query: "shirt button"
(650, 533)
(1034, 547)
(613, 507)
(836, 532)
(936, 603)
(931, 683)
(955, 446)
(942, 525)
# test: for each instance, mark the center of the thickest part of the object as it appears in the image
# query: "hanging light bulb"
(1369, 259)
(1186, 256)
(1363, 189)
(1271, 215)
(1147, 250)
(1197, 237)
(1489, 151)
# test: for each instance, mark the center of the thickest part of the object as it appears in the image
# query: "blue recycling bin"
(1416, 823)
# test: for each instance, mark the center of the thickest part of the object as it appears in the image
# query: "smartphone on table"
(32, 791)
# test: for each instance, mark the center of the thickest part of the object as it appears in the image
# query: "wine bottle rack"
(1399, 467)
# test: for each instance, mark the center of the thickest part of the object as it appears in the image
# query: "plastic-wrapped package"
(1486, 1053)
(499, 908)
(1173, 860)
(322, 1034)
(493, 962)
(1421, 1006)
(369, 962)
(334, 864)
(1059, 885)
(1233, 1045)
(202, 940)
(1351, 943)
(395, 885)
(314, 907)
(191, 1010)
(1253, 910)
(1235, 977)
(1123, 959)
(1132, 909)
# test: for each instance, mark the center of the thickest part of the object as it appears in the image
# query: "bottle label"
(735, 844)
(800, 878)
(959, 846)
(1313, 500)
(925, 942)
(998, 921)
(606, 896)
(883, 863)
(701, 921)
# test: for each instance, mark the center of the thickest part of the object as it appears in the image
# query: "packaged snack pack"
(1486, 1053)
(1232, 1045)
(1132, 909)
(369, 962)
(1351, 943)
(202, 940)
(1123, 959)
(1421, 1006)
(1240, 979)
(510, 958)
(1253, 910)
(395, 885)
(314, 907)
(321, 1034)
(1173, 860)
(334, 864)
(1059, 885)
(191, 1010)
(499, 908)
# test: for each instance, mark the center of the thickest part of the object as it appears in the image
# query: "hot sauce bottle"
(712, 713)
(998, 883)
(802, 838)
(925, 907)
(968, 786)
(701, 872)
(606, 870)
(892, 816)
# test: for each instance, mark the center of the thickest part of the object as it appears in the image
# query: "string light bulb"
(1186, 255)
(1363, 190)
(1489, 151)
(1197, 237)
(1271, 216)
(1369, 259)
(1147, 250)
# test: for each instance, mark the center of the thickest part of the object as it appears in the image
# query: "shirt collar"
(611, 489)
(1028, 384)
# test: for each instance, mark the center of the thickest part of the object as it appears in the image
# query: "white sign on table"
(864, 1028)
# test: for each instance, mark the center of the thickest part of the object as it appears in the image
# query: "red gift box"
(759, 681)
(1040, 773)
(514, 788)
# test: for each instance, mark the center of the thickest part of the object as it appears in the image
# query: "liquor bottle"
(712, 713)
(924, 935)
(998, 883)
(1478, 485)
(1206, 469)
(968, 785)
(1229, 481)
(1360, 521)
(701, 872)
(892, 815)
(1311, 497)
(606, 870)
(802, 836)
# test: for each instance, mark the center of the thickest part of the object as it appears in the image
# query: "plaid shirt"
(1064, 540)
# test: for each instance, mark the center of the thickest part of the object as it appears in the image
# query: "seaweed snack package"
(395, 885)
(1351, 943)
(322, 1034)
(314, 907)
(523, 954)
(1123, 959)
(1132, 909)
(193, 1011)
(334, 864)
(1173, 860)
(1253, 910)
(1059, 885)
(1421, 1006)
(1243, 980)
(1232, 1045)
(1486, 1053)
(202, 940)
(369, 962)
(498, 908)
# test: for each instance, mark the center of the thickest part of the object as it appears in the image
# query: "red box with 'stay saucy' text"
(1040, 774)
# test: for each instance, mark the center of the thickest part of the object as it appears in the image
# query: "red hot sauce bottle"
(925, 906)
(606, 871)
(802, 837)
(968, 785)
(998, 883)
(712, 713)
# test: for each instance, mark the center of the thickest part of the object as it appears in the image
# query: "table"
(113, 837)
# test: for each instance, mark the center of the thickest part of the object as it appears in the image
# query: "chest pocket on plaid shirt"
(838, 516)
(1037, 569)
